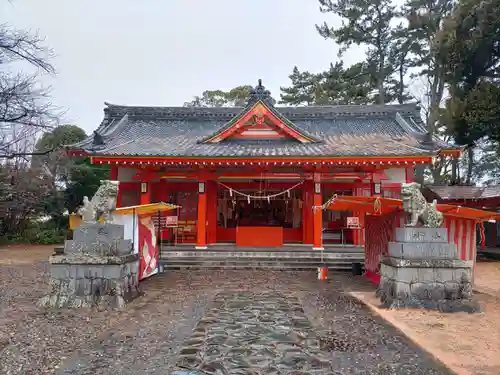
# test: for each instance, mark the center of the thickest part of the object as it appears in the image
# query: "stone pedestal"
(96, 269)
(423, 270)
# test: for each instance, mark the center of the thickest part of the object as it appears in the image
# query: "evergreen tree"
(335, 86)
(236, 97)
(415, 43)
(365, 23)
(304, 89)
(469, 50)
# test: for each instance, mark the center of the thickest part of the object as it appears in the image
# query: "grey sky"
(153, 52)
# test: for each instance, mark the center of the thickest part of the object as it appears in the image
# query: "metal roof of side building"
(330, 131)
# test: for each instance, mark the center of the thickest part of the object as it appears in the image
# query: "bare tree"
(25, 108)
(23, 190)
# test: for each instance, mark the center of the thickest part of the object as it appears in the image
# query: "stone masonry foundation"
(96, 269)
(422, 270)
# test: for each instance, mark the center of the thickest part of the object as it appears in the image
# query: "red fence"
(379, 231)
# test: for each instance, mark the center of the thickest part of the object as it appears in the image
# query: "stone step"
(291, 249)
(287, 257)
(258, 255)
(237, 263)
(260, 265)
(260, 260)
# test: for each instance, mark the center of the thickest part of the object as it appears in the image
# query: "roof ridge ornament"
(260, 93)
(97, 139)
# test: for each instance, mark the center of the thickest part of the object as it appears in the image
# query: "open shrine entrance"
(254, 212)
(259, 214)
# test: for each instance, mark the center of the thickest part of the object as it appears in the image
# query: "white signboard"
(353, 222)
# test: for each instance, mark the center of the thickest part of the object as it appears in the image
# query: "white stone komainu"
(102, 204)
(415, 204)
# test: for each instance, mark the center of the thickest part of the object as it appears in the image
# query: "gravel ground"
(147, 336)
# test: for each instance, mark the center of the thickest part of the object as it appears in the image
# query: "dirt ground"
(145, 337)
(487, 279)
(22, 254)
(466, 343)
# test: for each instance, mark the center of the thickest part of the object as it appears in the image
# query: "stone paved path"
(252, 322)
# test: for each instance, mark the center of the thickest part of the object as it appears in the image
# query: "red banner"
(148, 247)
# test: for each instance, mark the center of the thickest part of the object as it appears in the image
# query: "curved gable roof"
(329, 131)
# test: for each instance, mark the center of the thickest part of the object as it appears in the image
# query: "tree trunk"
(419, 173)
(454, 174)
(470, 163)
(436, 95)
(401, 89)
(437, 173)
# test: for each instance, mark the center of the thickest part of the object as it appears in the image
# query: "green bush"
(41, 233)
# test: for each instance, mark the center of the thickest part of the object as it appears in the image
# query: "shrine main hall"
(259, 175)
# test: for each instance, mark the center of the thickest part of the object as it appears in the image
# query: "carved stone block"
(420, 250)
(423, 271)
(97, 271)
(422, 235)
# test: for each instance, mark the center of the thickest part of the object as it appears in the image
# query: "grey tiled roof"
(465, 192)
(370, 130)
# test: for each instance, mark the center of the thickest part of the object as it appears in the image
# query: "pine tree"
(365, 23)
(236, 97)
(305, 88)
(334, 86)
(468, 48)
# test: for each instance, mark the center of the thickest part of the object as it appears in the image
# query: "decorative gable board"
(259, 129)
(259, 122)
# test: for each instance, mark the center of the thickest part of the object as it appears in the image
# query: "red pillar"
(410, 174)
(359, 234)
(114, 172)
(211, 212)
(145, 191)
(201, 225)
(114, 177)
(317, 215)
(307, 214)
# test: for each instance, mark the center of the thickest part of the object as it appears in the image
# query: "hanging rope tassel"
(377, 207)
(482, 234)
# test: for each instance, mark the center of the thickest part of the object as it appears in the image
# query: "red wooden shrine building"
(479, 197)
(251, 176)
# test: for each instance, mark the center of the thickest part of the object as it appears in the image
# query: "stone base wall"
(97, 268)
(87, 281)
(423, 271)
